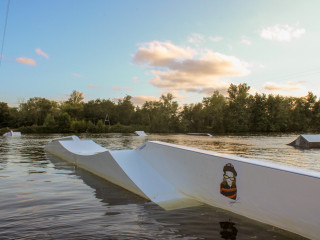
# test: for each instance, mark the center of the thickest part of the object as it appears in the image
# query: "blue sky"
(109, 49)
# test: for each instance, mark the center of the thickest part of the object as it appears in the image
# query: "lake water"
(42, 197)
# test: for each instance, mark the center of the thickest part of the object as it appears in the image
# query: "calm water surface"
(42, 197)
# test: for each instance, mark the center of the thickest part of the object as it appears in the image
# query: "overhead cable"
(4, 32)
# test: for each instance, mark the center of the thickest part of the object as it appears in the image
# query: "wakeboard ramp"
(175, 176)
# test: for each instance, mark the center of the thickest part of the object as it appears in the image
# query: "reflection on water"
(228, 230)
(45, 197)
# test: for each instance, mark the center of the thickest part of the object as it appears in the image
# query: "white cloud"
(93, 86)
(282, 32)
(161, 53)
(246, 41)
(116, 88)
(196, 39)
(40, 52)
(189, 71)
(27, 61)
(287, 87)
(136, 79)
(77, 75)
(215, 39)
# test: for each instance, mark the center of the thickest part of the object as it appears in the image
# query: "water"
(42, 197)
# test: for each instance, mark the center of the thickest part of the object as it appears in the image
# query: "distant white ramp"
(176, 176)
(200, 134)
(307, 141)
(140, 133)
(12, 134)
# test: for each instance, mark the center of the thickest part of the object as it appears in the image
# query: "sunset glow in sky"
(110, 49)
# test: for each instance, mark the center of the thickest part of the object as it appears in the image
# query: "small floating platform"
(307, 141)
(140, 133)
(200, 134)
(12, 134)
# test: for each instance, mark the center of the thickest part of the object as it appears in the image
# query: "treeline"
(239, 112)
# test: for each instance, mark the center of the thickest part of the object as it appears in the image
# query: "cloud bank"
(288, 87)
(184, 69)
(282, 32)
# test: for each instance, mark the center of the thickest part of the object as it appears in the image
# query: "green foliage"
(238, 112)
(119, 128)
(78, 126)
(4, 115)
(193, 116)
(161, 116)
(49, 122)
(214, 109)
(98, 109)
(75, 97)
(35, 110)
(258, 113)
(125, 110)
(64, 122)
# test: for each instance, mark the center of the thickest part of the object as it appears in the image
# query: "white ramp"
(125, 168)
(176, 176)
(141, 133)
(12, 134)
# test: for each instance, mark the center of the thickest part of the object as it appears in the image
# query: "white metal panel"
(311, 137)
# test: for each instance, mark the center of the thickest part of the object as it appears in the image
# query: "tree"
(4, 114)
(258, 113)
(76, 97)
(162, 115)
(278, 112)
(64, 122)
(125, 110)
(237, 111)
(214, 108)
(74, 105)
(96, 110)
(193, 118)
(35, 110)
(49, 122)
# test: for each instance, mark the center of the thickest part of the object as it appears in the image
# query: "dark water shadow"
(228, 230)
(104, 190)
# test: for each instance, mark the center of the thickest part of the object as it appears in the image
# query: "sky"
(112, 48)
